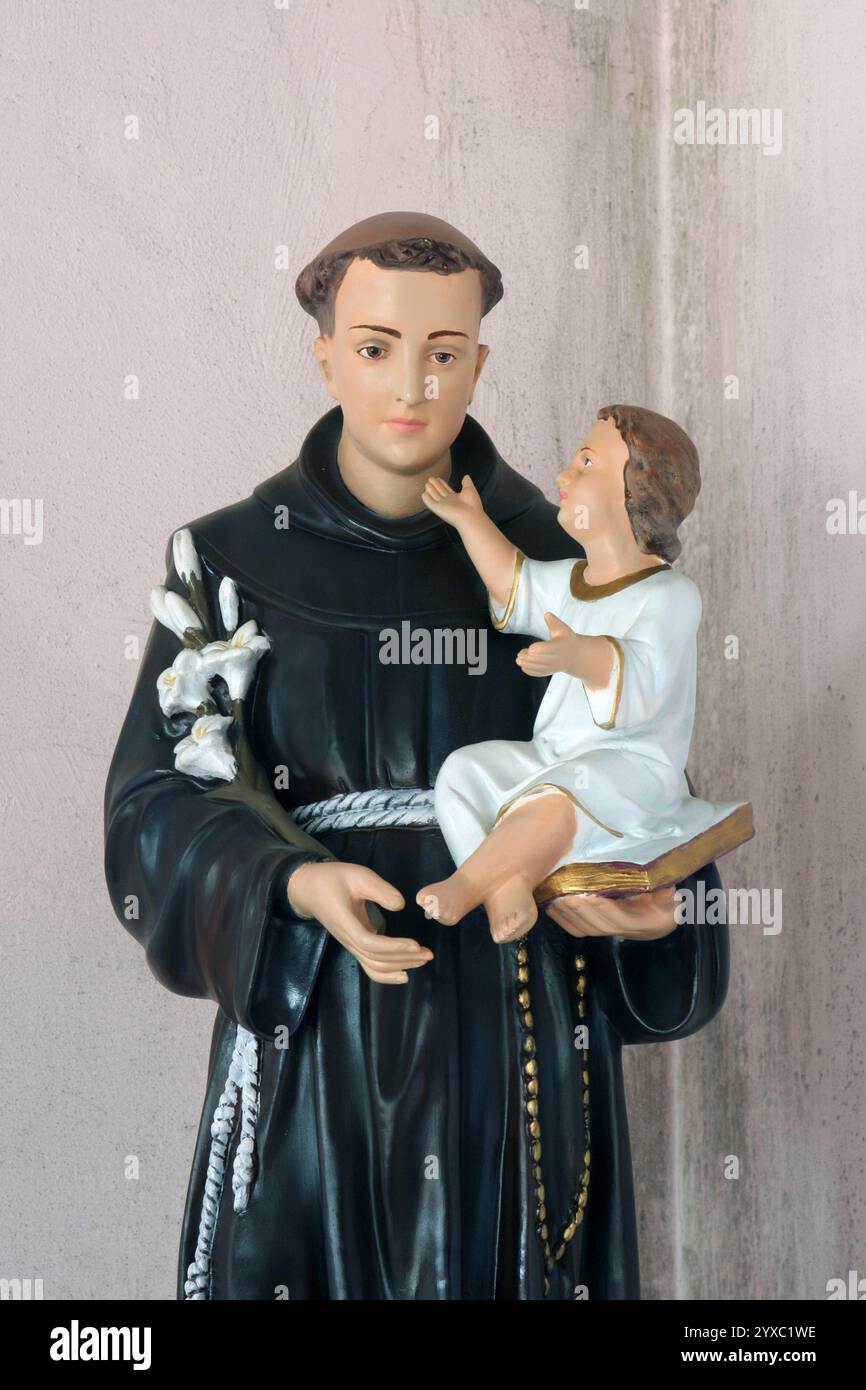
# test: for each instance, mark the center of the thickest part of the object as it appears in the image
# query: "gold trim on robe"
(618, 878)
(555, 787)
(611, 723)
(580, 589)
(500, 623)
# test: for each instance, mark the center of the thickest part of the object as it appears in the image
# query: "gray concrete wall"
(154, 257)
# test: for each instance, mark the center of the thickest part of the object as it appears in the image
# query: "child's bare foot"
(448, 900)
(511, 910)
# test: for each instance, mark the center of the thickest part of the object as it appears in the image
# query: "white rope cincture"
(382, 808)
(242, 1169)
(243, 1071)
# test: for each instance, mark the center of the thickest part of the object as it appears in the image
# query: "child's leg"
(513, 859)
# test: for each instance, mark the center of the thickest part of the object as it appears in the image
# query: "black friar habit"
(396, 1146)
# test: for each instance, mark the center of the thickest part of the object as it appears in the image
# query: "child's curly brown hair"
(662, 476)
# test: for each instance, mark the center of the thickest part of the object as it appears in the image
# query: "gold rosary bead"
(523, 999)
(531, 1067)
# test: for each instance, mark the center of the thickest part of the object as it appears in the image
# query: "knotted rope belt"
(386, 808)
(377, 809)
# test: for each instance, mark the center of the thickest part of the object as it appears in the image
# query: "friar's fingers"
(357, 935)
(388, 967)
(391, 952)
(349, 923)
(566, 913)
(394, 950)
(366, 883)
(379, 977)
(640, 916)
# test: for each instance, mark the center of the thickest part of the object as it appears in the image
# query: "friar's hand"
(454, 507)
(334, 893)
(642, 916)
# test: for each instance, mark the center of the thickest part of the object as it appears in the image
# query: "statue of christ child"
(597, 801)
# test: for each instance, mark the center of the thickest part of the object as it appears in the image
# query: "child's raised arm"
(490, 552)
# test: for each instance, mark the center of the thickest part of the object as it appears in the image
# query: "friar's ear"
(322, 350)
(483, 353)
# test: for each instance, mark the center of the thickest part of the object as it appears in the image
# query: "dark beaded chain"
(530, 1079)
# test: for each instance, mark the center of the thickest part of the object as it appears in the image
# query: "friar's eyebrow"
(440, 332)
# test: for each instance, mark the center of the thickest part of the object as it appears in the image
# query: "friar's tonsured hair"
(662, 476)
(316, 286)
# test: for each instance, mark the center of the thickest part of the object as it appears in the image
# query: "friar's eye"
(439, 355)
(587, 461)
(371, 347)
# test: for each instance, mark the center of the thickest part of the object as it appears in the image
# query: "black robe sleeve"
(658, 991)
(201, 883)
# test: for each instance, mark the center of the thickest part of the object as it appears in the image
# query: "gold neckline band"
(580, 588)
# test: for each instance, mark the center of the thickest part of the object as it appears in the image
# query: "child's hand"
(453, 507)
(558, 653)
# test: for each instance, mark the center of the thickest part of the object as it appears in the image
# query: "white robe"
(619, 753)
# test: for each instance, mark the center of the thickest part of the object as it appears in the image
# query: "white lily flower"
(172, 611)
(182, 614)
(158, 607)
(185, 555)
(185, 685)
(206, 752)
(236, 659)
(228, 597)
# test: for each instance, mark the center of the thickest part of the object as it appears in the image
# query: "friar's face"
(404, 349)
(592, 487)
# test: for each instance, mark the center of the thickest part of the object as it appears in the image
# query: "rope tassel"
(244, 1073)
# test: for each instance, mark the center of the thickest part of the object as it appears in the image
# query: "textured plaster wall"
(153, 257)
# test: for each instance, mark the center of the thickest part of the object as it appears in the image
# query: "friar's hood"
(318, 500)
(302, 541)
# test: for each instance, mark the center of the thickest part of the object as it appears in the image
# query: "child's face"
(592, 487)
